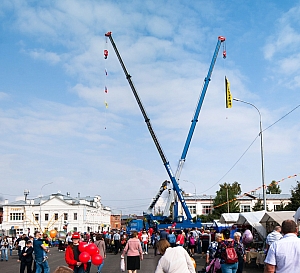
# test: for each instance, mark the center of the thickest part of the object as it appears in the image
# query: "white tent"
(253, 219)
(229, 218)
(274, 218)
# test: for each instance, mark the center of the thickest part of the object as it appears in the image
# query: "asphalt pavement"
(111, 265)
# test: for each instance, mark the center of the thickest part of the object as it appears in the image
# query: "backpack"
(230, 255)
(192, 241)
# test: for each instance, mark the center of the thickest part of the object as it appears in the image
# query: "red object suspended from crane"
(105, 53)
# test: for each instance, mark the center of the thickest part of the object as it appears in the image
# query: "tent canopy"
(229, 218)
(277, 217)
(253, 219)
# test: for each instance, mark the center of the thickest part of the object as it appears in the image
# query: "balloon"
(82, 246)
(61, 235)
(194, 263)
(84, 257)
(92, 249)
(97, 259)
(53, 233)
(247, 237)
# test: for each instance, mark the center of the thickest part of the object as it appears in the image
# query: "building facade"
(56, 211)
(203, 204)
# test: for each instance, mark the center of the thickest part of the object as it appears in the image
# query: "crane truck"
(178, 222)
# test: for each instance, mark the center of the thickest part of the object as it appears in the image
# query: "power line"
(250, 146)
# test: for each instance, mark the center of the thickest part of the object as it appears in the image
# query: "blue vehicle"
(136, 225)
(178, 222)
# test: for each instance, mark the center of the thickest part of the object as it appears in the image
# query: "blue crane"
(153, 135)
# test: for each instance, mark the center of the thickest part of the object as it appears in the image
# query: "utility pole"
(227, 200)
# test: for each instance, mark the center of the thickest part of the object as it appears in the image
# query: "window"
(65, 216)
(36, 217)
(192, 209)
(75, 216)
(75, 228)
(46, 217)
(245, 208)
(16, 216)
(206, 209)
(55, 216)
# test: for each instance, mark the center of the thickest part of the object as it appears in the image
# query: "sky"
(55, 127)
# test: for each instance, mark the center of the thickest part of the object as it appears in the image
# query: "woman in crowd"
(191, 243)
(100, 243)
(226, 267)
(134, 253)
(212, 249)
(72, 255)
(174, 259)
(240, 250)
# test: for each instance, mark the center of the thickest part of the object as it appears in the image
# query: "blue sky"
(54, 126)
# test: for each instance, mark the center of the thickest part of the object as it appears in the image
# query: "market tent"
(274, 218)
(229, 218)
(297, 215)
(253, 219)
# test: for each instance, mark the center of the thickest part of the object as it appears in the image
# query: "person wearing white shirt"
(283, 255)
(174, 259)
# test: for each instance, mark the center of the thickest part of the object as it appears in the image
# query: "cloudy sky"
(55, 127)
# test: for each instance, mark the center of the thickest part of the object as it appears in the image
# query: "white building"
(56, 211)
(203, 204)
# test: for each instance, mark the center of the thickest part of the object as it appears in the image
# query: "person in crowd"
(117, 238)
(172, 238)
(283, 255)
(4, 246)
(39, 249)
(274, 236)
(205, 241)
(72, 255)
(155, 240)
(240, 250)
(212, 248)
(21, 242)
(180, 238)
(102, 250)
(144, 240)
(221, 253)
(134, 253)
(191, 243)
(174, 259)
(26, 257)
(210, 254)
(164, 234)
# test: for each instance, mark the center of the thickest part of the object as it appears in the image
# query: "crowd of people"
(222, 251)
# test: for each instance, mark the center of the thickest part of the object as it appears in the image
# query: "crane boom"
(152, 133)
(195, 119)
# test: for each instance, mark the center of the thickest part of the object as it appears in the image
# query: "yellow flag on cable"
(106, 104)
(228, 94)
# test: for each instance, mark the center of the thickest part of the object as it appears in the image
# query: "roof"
(277, 216)
(227, 218)
(253, 219)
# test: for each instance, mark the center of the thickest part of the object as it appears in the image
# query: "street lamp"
(195, 195)
(261, 151)
(41, 203)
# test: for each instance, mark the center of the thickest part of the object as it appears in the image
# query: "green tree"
(295, 199)
(221, 198)
(273, 188)
(258, 205)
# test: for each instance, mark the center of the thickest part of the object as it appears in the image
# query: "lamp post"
(261, 151)
(195, 195)
(41, 203)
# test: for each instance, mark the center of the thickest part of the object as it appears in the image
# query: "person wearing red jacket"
(72, 255)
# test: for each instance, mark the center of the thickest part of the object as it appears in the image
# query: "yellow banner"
(228, 94)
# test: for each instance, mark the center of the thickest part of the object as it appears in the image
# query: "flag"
(228, 94)
(105, 71)
(106, 104)
(105, 89)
